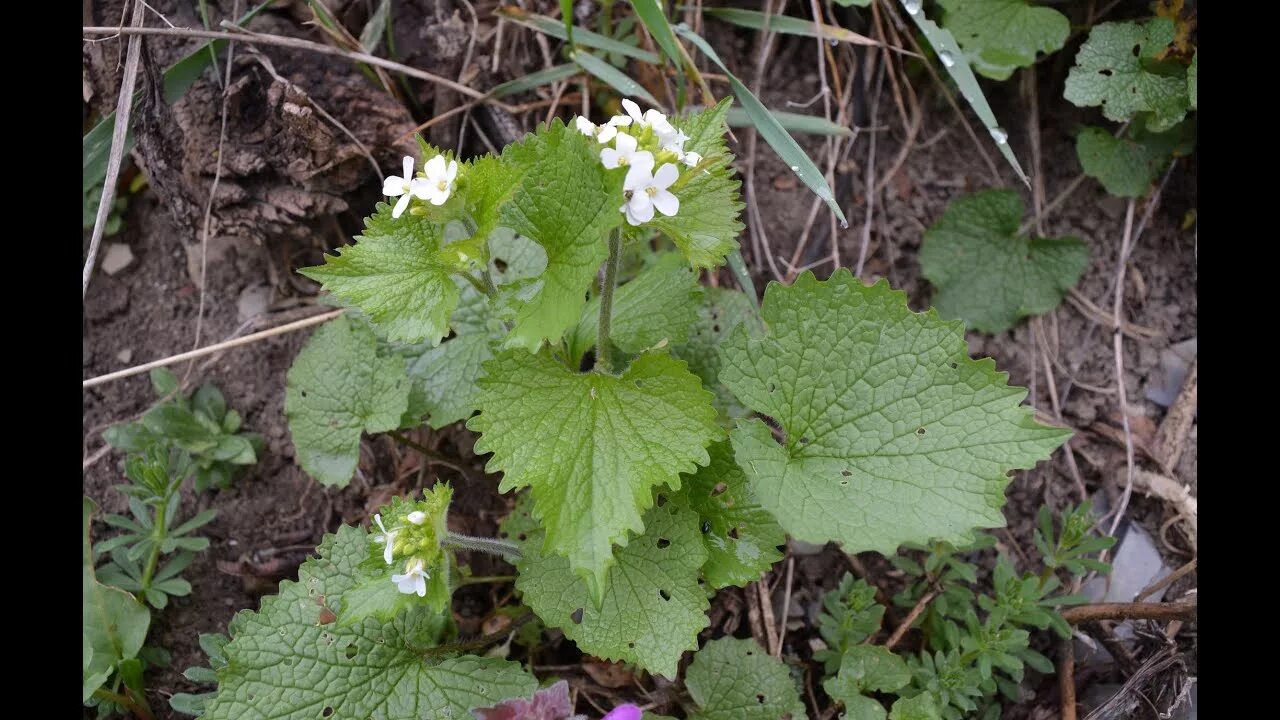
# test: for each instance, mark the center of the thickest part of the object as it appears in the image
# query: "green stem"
(126, 701)
(486, 580)
(481, 287)
(493, 546)
(158, 534)
(604, 352)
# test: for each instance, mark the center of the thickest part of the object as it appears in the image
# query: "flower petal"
(633, 110)
(620, 120)
(452, 172)
(420, 585)
(408, 167)
(387, 554)
(421, 188)
(434, 168)
(585, 126)
(417, 517)
(607, 133)
(438, 196)
(393, 186)
(624, 712)
(692, 159)
(377, 517)
(626, 145)
(401, 204)
(638, 177)
(666, 203)
(666, 175)
(609, 158)
(643, 159)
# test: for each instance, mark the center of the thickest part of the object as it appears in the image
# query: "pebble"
(125, 355)
(117, 257)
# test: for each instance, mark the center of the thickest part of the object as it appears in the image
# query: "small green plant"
(200, 426)
(977, 642)
(150, 531)
(115, 619)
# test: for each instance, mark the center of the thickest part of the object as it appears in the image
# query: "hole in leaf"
(846, 473)
(772, 387)
(844, 483)
(1137, 50)
(631, 645)
(751, 652)
(920, 431)
(576, 616)
(715, 328)
(326, 712)
(719, 489)
(500, 264)
(955, 365)
(733, 532)
(351, 651)
(663, 543)
(304, 393)
(706, 526)
(804, 441)
(662, 500)
(521, 537)
(1105, 72)
(665, 595)
(760, 698)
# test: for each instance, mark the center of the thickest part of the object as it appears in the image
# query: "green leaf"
(659, 304)
(920, 707)
(485, 185)
(1117, 69)
(581, 36)
(568, 203)
(283, 663)
(735, 679)
(866, 668)
(787, 25)
(1193, 74)
(742, 538)
(592, 446)
(1127, 166)
(653, 608)
(989, 275)
(338, 388)
(163, 381)
(893, 434)
(720, 312)
(654, 18)
(769, 129)
(792, 122)
(1003, 35)
(707, 226)
(113, 624)
(396, 275)
(850, 615)
(956, 63)
(617, 79)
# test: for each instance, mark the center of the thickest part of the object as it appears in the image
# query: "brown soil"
(292, 187)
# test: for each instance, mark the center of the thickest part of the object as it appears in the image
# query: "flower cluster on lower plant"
(434, 184)
(412, 533)
(640, 141)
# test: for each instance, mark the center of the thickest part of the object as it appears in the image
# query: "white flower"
(634, 111)
(404, 187)
(692, 159)
(674, 142)
(414, 579)
(649, 192)
(620, 120)
(386, 537)
(439, 180)
(626, 154)
(417, 517)
(602, 133)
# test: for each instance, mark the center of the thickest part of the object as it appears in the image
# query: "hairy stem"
(493, 546)
(604, 353)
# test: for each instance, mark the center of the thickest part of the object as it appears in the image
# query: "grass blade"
(614, 77)
(581, 36)
(374, 28)
(787, 25)
(771, 130)
(956, 63)
(791, 122)
(536, 79)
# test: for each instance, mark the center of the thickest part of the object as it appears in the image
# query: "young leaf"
(659, 304)
(592, 446)
(866, 668)
(989, 275)
(920, 707)
(787, 25)
(742, 538)
(282, 662)
(1127, 166)
(653, 608)
(568, 202)
(1003, 35)
(735, 679)
(114, 624)
(396, 275)
(773, 133)
(893, 434)
(850, 615)
(338, 388)
(1117, 69)
(707, 226)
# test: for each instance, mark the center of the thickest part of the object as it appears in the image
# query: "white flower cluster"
(645, 189)
(414, 579)
(435, 185)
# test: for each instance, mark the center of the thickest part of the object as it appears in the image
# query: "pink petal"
(624, 712)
